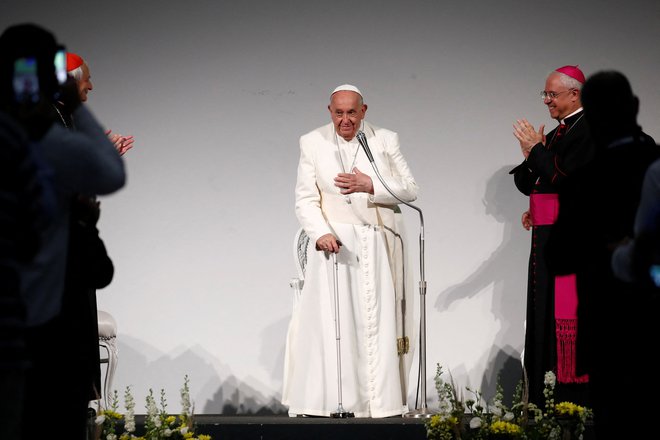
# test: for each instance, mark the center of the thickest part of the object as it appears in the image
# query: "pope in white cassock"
(346, 210)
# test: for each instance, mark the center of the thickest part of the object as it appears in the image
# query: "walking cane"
(340, 413)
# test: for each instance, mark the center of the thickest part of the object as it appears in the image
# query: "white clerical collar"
(563, 121)
(343, 141)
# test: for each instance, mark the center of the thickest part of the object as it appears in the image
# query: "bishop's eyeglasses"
(552, 95)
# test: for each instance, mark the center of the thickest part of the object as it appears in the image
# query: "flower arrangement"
(158, 424)
(523, 420)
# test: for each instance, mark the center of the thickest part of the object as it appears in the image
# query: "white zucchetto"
(347, 87)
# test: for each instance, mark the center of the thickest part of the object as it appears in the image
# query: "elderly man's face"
(85, 83)
(347, 112)
(566, 100)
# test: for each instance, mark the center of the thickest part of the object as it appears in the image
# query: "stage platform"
(221, 427)
(282, 427)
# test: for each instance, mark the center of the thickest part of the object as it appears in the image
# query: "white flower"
(475, 423)
(99, 419)
(184, 430)
(508, 416)
(497, 411)
(445, 407)
(111, 437)
(167, 432)
(129, 424)
(185, 398)
(549, 379)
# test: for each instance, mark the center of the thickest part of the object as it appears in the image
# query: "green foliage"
(158, 424)
(475, 419)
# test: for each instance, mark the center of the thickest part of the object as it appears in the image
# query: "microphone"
(362, 139)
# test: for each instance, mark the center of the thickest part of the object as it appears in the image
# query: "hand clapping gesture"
(527, 135)
(122, 143)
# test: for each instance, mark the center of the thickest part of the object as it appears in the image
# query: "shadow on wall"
(237, 398)
(142, 367)
(505, 368)
(506, 271)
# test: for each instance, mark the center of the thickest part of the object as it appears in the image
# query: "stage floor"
(221, 427)
(282, 427)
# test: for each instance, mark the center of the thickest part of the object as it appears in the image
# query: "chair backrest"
(300, 245)
(107, 325)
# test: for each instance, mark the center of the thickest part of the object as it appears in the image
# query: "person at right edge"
(618, 329)
(551, 317)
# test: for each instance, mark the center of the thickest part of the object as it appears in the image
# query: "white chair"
(108, 342)
(300, 245)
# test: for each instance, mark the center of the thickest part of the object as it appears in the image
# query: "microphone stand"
(422, 411)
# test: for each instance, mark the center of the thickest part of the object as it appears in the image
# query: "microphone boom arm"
(423, 411)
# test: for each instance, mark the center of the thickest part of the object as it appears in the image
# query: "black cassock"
(543, 172)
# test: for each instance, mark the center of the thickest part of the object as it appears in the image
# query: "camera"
(26, 81)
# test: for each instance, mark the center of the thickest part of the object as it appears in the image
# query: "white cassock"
(375, 292)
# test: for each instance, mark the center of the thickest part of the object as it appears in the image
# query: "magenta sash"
(565, 297)
(543, 208)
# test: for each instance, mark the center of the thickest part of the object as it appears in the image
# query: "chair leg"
(110, 345)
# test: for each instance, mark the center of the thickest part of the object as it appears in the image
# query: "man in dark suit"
(83, 161)
(25, 200)
(551, 321)
(617, 321)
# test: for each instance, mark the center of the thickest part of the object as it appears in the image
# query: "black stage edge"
(282, 427)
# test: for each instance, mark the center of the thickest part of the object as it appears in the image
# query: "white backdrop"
(217, 94)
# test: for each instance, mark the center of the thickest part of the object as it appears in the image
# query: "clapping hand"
(122, 143)
(527, 135)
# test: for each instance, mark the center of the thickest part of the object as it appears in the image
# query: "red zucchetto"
(73, 61)
(572, 71)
